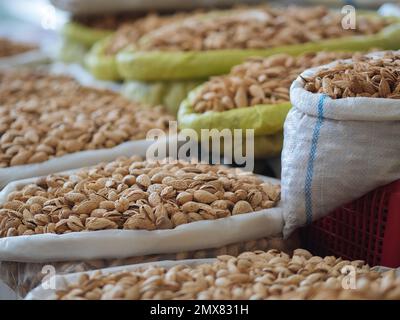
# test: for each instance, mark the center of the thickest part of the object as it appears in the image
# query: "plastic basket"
(367, 229)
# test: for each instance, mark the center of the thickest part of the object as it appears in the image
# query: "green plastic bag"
(180, 65)
(83, 34)
(77, 41)
(100, 65)
(167, 93)
(265, 119)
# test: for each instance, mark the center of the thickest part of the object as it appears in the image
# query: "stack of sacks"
(254, 95)
(193, 48)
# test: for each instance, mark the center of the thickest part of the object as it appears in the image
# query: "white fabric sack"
(72, 161)
(109, 244)
(62, 281)
(335, 151)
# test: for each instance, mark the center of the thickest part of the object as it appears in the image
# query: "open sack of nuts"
(22, 277)
(254, 95)
(128, 208)
(169, 57)
(251, 275)
(50, 123)
(341, 138)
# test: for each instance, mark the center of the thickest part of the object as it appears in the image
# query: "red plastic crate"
(367, 229)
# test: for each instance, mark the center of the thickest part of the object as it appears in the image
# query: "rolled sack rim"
(347, 109)
(82, 34)
(170, 65)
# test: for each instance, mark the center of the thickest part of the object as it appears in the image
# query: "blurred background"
(56, 27)
(36, 20)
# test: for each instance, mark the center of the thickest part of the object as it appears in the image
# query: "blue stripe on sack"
(311, 159)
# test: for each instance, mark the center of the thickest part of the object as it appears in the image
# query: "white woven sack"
(335, 151)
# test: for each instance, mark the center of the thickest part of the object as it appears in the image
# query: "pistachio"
(99, 224)
(86, 207)
(242, 207)
(203, 196)
(184, 197)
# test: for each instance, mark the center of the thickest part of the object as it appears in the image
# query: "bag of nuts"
(134, 208)
(254, 95)
(22, 277)
(204, 45)
(250, 275)
(51, 123)
(164, 55)
(341, 138)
